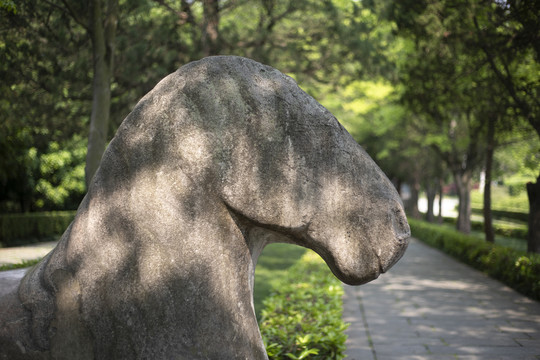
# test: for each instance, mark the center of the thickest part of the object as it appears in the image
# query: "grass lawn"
(514, 243)
(501, 199)
(271, 268)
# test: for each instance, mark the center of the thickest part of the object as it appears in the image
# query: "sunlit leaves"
(62, 173)
(8, 5)
(364, 96)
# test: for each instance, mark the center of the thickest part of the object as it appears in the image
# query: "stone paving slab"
(14, 255)
(431, 307)
(9, 280)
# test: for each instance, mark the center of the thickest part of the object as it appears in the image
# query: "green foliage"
(303, 318)
(17, 229)
(272, 269)
(518, 162)
(465, 69)
(19, 164)
(44, 95)
(9, 5)
(347, 54)
(517, 269)
(61, 184)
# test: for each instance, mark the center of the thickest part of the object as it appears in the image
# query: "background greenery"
(419, 84)
(440, 93)
(20, 229)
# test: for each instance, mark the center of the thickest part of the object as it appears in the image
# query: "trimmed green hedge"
(302, 320)
(517, 269)
(19, 229)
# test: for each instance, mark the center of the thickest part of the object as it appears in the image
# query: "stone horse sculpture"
(221, 158)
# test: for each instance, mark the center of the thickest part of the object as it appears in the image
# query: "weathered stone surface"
(223, 157)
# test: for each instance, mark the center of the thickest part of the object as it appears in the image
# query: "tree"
(508, 36)
(210, 35)
(336, 50)
(44, 95)
(47, 48)
(490, 150)
(439, 91)
(102, 30)
(476, 48)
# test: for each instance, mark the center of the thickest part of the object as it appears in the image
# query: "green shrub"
(517, 269)
(18, 229)
(515, 189)
(272, 268)
(302, 320)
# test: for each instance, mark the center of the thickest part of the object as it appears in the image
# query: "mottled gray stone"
(221, 158)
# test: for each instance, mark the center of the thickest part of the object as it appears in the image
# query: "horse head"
(284, 163)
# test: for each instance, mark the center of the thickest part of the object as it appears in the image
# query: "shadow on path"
(430, 306)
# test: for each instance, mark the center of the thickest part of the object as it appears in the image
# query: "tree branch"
(506, 80)
(185, 15)
(73, 14)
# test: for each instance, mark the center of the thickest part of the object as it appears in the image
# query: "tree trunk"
(210, 33)
(431, 192)
(488, 219)
(533, 191)
(463, 185)
(412, 203)
(397, 183)
(102, 32)
(441, 190)
(25, 203)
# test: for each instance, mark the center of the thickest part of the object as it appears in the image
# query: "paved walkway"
(431, 307)
(16, 255)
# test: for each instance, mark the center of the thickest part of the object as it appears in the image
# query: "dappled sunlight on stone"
(194, 148)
